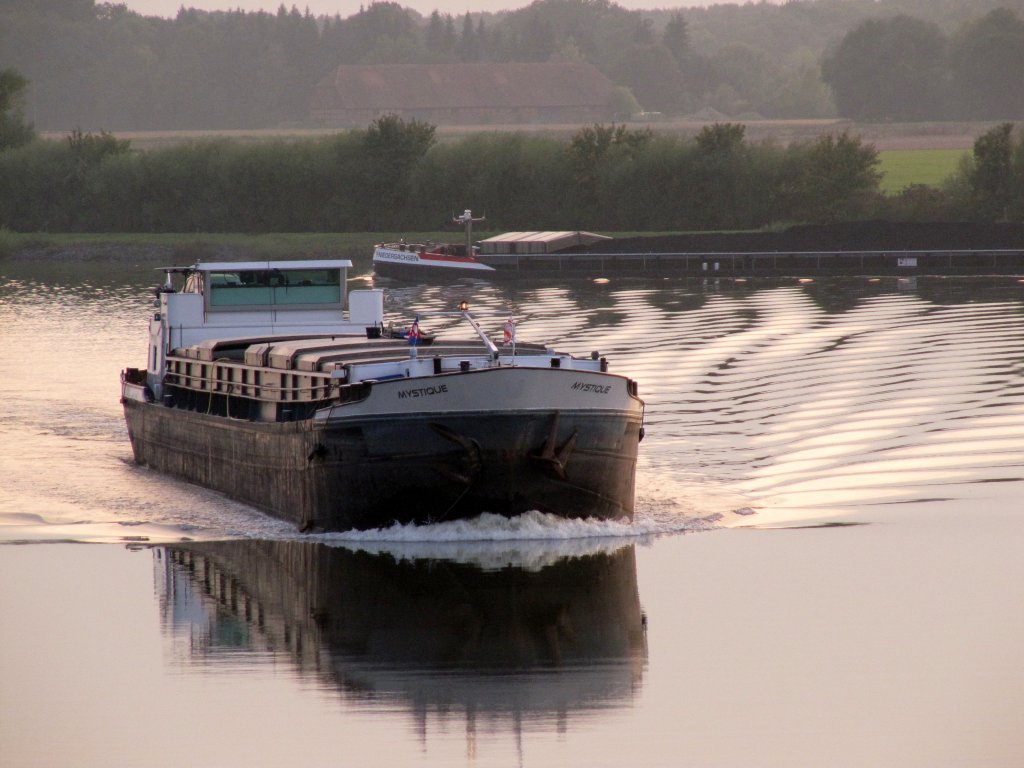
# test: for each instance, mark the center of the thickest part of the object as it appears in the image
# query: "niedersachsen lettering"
(396, 256)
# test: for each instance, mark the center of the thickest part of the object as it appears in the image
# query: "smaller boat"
(429, 260)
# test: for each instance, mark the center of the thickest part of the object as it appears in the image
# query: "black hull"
(421, 468)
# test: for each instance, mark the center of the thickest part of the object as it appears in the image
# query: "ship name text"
(440, 389)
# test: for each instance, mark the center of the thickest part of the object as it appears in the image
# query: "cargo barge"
(864, 248)
(490, 258)
(872, 248)
(261, 386)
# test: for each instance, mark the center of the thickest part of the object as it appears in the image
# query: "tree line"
(394, 177)
(905, 69)
(103, 67)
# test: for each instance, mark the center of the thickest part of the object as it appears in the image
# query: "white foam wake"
(531, 541)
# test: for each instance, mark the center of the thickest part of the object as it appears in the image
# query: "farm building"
(464, 94)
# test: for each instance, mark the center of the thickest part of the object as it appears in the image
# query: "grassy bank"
(181, 248)
(177, 248)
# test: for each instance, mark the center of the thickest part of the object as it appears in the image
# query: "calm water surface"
(735, 622)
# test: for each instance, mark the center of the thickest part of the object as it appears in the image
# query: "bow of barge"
(260, 386)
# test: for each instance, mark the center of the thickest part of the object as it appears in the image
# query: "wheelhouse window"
(274, 288)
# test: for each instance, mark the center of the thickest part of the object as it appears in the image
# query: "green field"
(903, 167)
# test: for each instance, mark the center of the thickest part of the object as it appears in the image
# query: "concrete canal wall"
(876, 248)
(769, 264)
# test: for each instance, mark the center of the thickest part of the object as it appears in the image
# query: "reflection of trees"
(432, 633)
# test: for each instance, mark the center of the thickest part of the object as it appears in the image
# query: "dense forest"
(102, 67)
(83, 68)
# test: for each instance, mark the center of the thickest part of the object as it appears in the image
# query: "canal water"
(824, 568)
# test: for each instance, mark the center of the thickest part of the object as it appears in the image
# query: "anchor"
(554, 459)
(472, 461)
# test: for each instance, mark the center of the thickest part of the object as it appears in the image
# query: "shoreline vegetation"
(885, 136)
(397, 177)
(909, 153)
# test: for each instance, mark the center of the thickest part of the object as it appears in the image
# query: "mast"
(466, 220)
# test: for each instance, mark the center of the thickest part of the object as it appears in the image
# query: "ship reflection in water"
(441, 638)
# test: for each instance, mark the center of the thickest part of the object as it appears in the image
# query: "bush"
(395, 178)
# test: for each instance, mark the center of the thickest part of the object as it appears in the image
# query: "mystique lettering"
(597, 389)
(440, 389)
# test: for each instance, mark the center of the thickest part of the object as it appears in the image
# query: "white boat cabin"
(256, 299)
(271, 341)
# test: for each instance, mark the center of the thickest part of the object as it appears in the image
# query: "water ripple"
(797, 401)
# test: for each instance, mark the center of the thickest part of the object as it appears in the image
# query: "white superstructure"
(256, 299)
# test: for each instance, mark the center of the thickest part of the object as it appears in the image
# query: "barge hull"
(339, 474)
(417, 272)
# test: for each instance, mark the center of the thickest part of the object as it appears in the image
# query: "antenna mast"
(466, 220)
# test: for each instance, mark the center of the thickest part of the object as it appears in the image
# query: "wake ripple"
(797, 402)
(811, 400)
(806, 412)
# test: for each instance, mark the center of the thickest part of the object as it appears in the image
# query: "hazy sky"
(348, 7)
